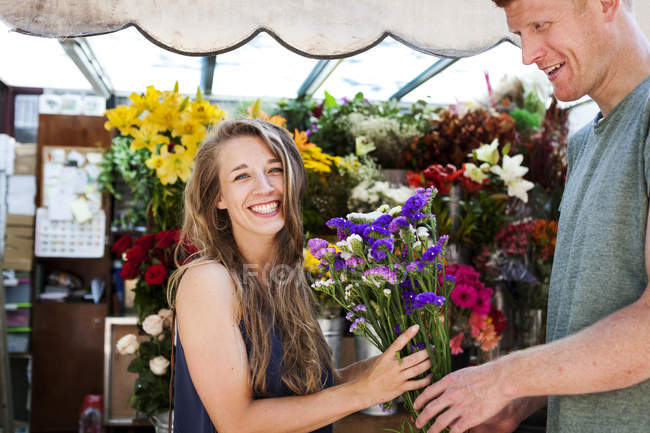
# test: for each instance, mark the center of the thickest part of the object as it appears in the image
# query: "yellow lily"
(150, 101)
(176, 165)
(205, 113)
(122, 118)
(190, 130)
(147, 137)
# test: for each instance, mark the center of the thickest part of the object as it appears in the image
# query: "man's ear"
(609, 9)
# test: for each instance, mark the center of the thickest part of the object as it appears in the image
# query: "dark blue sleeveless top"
(190, 415)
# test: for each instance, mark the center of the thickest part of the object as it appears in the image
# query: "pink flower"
(477, 322)
(488, 338)
(464, 296)
(455, 344)
(483, 301)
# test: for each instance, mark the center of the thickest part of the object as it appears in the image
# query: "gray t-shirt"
(599, 264)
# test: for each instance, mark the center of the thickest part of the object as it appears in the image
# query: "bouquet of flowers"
(154, 152)
(150, 259)
(388, 273)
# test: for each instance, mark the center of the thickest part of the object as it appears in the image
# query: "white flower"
(363, 145)
(367, 217)
(127, 345)
(423, 233)
(166, 315)
(397, 210)
(512, 175)
(400, 194)
(417, 244)
(518, 188)
(511, 170)
(475, 173)
(382, 209)
(387, 292)
(158, 365)
(488, 152)
(153, 324)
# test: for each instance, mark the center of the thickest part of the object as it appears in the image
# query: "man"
(596, 365)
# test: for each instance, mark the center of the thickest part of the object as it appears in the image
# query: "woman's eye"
(276, 170)
(241, 176)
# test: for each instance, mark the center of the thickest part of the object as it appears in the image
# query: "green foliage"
(525, 120)
(297, 112)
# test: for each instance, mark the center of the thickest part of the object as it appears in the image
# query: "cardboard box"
(25, 158)
(19, 242)
(21, 220)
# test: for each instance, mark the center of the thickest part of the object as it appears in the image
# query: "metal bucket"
(333, 332)
(364, 350)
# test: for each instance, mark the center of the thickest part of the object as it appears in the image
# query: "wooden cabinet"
(67, 351)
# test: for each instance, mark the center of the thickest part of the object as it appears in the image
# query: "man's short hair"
(505, 3)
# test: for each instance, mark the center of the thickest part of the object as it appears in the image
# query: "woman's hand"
(389, 377)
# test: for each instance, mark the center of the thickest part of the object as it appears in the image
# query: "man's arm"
(610, 354)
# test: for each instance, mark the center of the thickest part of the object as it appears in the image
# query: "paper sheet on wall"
(69, 238)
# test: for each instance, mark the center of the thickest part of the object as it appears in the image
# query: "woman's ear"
(609, 9)
(220, 203)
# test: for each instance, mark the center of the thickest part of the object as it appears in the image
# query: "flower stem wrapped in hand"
(385, 274)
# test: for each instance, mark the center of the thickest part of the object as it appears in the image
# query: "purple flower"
(375, 228)
(308, 132)
(354, 262)
(360, 307)
(411, 267)
(356, 323)
(408, 296)
(339, 264)
(345, 100)
(397, 223)
(383, 220)
(406, 284)
(427, 298)
(442, 241)
(349, 316)
(450, 278)
(431, 253)
(359, 229)
(316, 244)
(338, 223)
(397, 329)
(412, 207)
(383, 272)
(320, 253)
(378, 247)
(439, 266)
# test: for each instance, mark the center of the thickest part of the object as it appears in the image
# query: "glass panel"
(465, 80)
(132, 63)
(260, 68)
(30, 61)
(378, 72)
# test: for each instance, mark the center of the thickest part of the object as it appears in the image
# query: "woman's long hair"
(288, 303)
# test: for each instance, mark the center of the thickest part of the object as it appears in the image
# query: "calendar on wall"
(69, 238)
(71, 219)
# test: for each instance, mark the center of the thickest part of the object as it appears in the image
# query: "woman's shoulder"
(206, 280)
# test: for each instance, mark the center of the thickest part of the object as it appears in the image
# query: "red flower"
(129, 270)
(318, 110)
(414, 179)
(122, 244)
(470, 186)
(146, 241)
(136, 254)
(155, 274)
(166, 239)
(498, 320)
(441, 177)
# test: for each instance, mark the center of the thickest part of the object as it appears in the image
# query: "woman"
(250, 356)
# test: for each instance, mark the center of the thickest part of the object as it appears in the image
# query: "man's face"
(561, 38)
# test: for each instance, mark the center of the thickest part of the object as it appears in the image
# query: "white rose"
(127, 344)
(166, 315)
(158, 365)
(153, 324)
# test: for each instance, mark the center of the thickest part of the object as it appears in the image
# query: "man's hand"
(463, 399)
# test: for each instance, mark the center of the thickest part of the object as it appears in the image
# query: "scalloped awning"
(315, 28)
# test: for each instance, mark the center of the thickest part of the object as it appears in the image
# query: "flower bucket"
(364, 349)
(333, 333)
(160, 422)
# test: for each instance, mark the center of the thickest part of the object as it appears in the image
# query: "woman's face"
(251, 178)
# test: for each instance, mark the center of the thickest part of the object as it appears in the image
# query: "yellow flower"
(175, 165)
(316, 160)
(166, 114)
(255, 112)
(474, 173)
(147, 137)
(122, 118)
(149, 101)
(155, 162)
(310, 263)
(190, 130)
(206, 113)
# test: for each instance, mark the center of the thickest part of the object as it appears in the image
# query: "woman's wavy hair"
(288, 304)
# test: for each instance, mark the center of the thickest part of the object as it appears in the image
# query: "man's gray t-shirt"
(599, 264)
